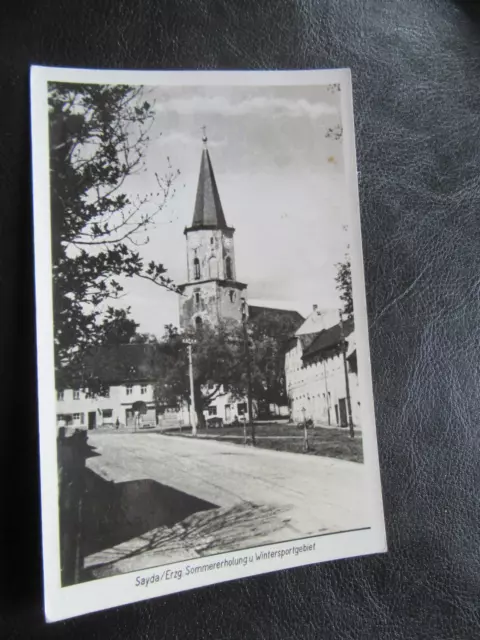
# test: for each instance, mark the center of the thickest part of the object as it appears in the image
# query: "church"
(212, 292)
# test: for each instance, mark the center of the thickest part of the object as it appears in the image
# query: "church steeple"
(212, 292)
(208, 212)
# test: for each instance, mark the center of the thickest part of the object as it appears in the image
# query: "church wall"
(210, 247)
(198, 300)
(230, 303)
(209, 301)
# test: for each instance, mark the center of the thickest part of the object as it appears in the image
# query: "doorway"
(342, 405)
(92, 419)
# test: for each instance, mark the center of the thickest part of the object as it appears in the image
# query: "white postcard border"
(62, 603)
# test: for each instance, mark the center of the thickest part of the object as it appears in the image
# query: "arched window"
(228, 268)
(196, 269)
(198, 322)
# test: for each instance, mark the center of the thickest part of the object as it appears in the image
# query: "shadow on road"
(201, 534)
(116, 512)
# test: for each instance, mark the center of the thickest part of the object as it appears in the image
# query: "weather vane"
(204, 139)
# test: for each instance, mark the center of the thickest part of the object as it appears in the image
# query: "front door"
(129, 417)
(228, 413)
(92, 419)
(342, 405)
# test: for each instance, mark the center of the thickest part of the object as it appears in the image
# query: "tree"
(344, 286)
(143, 338)
(268, 334)
(98, 138)
(218, 365)
(219, 362)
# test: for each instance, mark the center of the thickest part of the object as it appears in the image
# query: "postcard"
(204, 381)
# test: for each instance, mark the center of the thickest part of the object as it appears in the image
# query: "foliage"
(143, 338)
(98, 138)
(269, 334)
(344, 286)
(220, 362)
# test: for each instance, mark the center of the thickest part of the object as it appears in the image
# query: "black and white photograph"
(205, 398)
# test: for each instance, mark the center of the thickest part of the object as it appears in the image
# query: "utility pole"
(193, 414)
(347, 383)
(305, 431)
(327, 398)
(247, 364)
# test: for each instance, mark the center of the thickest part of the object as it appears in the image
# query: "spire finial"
(204, 138)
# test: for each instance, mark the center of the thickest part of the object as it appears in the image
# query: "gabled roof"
(124, 363)
(318, 320)
(328, 340)
(208, 207)
(269, 312)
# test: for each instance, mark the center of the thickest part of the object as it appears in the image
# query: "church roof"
(256, 311)
(208, 207)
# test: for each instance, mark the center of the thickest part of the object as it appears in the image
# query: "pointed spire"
(208, 207)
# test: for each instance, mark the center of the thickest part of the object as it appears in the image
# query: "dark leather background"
(416, 76)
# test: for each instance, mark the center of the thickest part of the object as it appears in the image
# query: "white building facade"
(315, 372)
(125, 405)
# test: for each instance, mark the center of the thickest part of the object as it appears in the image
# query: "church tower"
(212, 292)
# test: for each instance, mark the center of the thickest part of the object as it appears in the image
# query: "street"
(168, 498)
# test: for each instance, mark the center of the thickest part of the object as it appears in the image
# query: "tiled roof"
(125, 363)
(327, 340)
(268, 312)
(208, 207)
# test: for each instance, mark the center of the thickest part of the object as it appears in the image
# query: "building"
(315, 371)
(128, 372)
(210, 294)
(212, 291)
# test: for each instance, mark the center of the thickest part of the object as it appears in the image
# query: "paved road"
(256, 496)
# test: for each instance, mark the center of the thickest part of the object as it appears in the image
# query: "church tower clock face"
(210, 258)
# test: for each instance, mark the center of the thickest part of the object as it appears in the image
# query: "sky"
(281, 183)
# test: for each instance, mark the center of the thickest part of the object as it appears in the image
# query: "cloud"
(260, 105)
(177, 137)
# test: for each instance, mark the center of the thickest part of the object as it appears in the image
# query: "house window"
(212, 411)
(107, 413)
(198, 321)
(79, 417)
(143, 389)
(197, 299)
(60, 395)
(196, 269)
(211, 240)
(228, 268)
(76, 394)
(242, 408)
(231, 293)
(129, 389)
